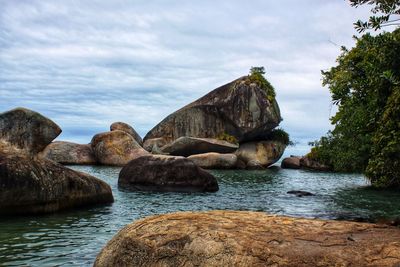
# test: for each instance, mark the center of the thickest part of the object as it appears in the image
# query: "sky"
(87, 64)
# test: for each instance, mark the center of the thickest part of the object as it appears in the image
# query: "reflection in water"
(74, 238)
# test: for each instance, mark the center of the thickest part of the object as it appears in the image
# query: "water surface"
(74, 238)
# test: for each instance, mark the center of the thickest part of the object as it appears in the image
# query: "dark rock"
(300, 193)
(154, 144)
(291, 163)
(128, 129)
(262, 153)
(116, 148)
(165, 173)
(214, 160)
(311, 164)
(186, 146)
(69, 153)
(244, 238)
(27, 130)
(240, 109)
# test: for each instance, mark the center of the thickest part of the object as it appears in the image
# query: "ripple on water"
(73, 238)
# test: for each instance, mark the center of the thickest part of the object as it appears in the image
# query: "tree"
(388, 14)
(257, 76)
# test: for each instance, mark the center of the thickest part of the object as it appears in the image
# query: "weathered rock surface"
(242, 238)
(69, 153)
(262, 153)
(240, 109)
(310, 164)
(214, 160)
(165, 173)
(30, 185)
(154, 144)
(116, 148)
(27, 130)
(122, 126)
(291, 163)
(186, 146)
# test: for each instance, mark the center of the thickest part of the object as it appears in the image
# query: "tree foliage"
(257, 76)
(365, 87)
(386, 13)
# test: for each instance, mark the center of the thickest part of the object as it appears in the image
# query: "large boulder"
(186, 146)
(27, 130)
(214, 160)
(291, 162)
(122, 126)
(243, 238)
(311, 164)
(164, 174)
(30, 185)
(116, 148)
(260, 154)
(69, 153)
(240, 109)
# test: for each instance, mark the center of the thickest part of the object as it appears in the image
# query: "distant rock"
(260, 154)
(27, 130)
(240, 109)
(291, 163)
(310, 164)
(214, 160)
(245, 238)
(69, 153)
(122, 126)
(165, 174)
(300, 193)
(116, 148)
(186, 146)
(31, 185)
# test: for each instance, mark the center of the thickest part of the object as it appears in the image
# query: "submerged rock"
(260, 154)
(243, 238)
(240, 109)
(291, 163)
(214, 160)
(69, 153)
(186, 146)
(27, 130)
(300, 193)
(164, 174)
(116, 148)
(122, 126)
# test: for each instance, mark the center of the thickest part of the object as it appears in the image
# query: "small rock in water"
(300, 193)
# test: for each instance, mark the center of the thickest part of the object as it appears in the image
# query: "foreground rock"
(30, 185)
(69, 153)
(164, 174)
(27, 130)
(186, 146)
(128, 129)
(116, 148)
(260, 154)
(240, 109)
(241, 238)
(291, 163)
(214, 160)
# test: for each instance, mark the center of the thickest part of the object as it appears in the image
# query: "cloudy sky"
(86, 64)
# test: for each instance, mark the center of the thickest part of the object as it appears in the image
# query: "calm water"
(74, 238)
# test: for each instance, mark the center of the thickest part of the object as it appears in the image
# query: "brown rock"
(311, 164)
(69, 153)
(240, 109)
(214, 160)
(262, 153)
(27, 130)
(128, 129)
(30, 185)
(291, 163)
(243, 238)
(165, 173)
(116, 148)
(186, 146)
(154, 144)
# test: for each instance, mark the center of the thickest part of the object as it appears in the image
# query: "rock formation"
(128, 129)
(214, 160)
(31, 185)
(243, 238)
(304, 162)
(165, 173)
(69, 153)
(260, 154)
(291, 163)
